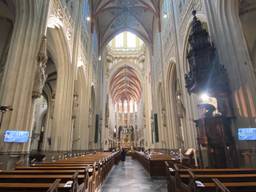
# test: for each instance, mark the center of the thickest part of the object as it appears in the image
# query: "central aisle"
(130, 176)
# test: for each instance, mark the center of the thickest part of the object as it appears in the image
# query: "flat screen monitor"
(11, 136)
(246, 134)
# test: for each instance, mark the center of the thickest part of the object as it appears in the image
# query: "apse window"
(131, 40)
(125, 106)
(120, 40)
(135, 107)
(126, 40)
(131, 106)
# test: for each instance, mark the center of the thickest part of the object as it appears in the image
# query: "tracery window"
(131, 40)
(125, 106)
(119, 40)
(131, 106)
(126, 40)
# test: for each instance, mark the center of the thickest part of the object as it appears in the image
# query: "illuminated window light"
(131, 40)
(119, 40)
(88, 18)
(204, 97)
(165, 15)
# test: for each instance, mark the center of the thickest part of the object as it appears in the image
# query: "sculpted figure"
(40, 76)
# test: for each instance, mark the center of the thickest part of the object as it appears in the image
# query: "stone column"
(17, 86)
(21, 62)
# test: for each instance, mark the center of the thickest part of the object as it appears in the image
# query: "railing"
(75, 184)
(54, 186)
(219, 186)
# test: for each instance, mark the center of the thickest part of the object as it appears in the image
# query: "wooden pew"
(35, 187)
(25, 178)
(85, 176)
(43, 172)
(38, 183)
(153, 163)
(190, 180)
(52, 168)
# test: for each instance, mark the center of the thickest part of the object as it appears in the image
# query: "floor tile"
(130, 176)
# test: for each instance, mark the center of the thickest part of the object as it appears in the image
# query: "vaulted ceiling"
(125, 85)
(114, 16)
(247, 6)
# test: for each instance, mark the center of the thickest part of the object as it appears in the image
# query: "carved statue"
(40, 76)
(164, 117)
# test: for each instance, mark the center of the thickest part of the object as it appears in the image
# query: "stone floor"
(130, 176)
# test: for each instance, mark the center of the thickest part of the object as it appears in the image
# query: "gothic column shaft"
(20, 67)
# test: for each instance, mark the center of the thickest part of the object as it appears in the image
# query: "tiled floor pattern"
(130, 176)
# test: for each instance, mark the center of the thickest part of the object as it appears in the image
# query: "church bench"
(229, 186)
(74, 160)
(153, 164)
(223, 176)
(52, 168)
(89, 175)
(220, 171)
(35, 187)
(56, 186)
(210, 186)
(231, 179)
(220, 176)
(38, 178)
(62, 165)
(100, 170)
(40, 172)
(66, 162)
(234, 182)
(41, 182)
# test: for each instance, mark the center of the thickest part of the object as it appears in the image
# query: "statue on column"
(52, 105)
(164, 117)
(40, 76)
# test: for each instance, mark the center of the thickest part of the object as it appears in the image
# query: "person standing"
(123, 154)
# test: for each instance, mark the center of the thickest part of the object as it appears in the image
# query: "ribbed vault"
(114, 16)
(125, 85)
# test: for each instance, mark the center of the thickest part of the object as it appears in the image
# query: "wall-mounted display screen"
(246, 134)
(12, 136)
